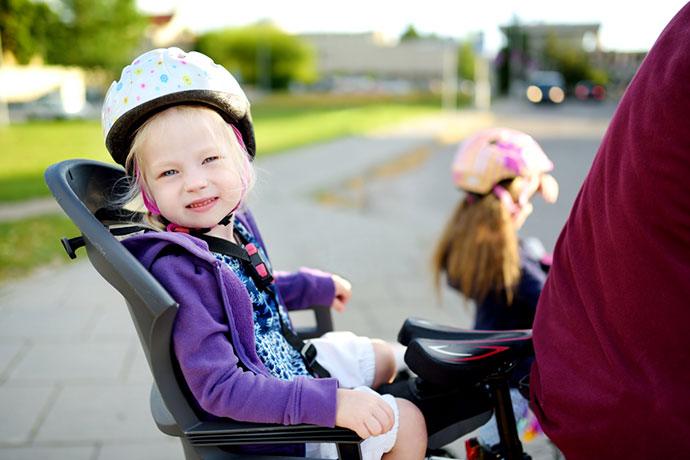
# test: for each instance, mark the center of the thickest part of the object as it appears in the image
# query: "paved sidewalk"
(73, 381)
(29, 208)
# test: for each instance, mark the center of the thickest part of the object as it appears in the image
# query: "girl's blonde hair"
(478, 250)
(219, 129)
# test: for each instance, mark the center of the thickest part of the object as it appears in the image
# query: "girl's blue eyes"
(172, 172)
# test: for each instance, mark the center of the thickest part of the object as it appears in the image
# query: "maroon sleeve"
(611, 332)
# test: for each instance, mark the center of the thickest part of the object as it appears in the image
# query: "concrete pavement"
(73, 381)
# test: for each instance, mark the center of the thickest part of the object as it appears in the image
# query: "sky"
(626, 25)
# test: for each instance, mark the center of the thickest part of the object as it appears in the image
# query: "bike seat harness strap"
(260, 272)
(248, 254)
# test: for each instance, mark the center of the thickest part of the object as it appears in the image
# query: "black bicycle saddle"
(443, 354)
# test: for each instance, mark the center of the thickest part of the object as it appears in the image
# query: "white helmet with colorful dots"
(162, 78)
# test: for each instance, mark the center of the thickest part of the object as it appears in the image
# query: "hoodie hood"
(147, 247)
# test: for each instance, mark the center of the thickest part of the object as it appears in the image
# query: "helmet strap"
(172, 227)
(507, 201)
(514, 207)
(471, 197)
(148, 202)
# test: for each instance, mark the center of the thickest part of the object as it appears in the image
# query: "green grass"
(27, 149)
(285, 131)
(31, 243)
(281, 122)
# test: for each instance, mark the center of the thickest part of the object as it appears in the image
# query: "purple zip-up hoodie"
(213, 332)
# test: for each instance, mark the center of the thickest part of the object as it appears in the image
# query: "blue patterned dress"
(279, 357)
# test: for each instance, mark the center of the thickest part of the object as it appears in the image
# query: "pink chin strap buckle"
(176, 228)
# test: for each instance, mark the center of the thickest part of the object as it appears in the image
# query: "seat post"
(511, 447)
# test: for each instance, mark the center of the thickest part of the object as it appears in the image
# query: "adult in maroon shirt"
(612, 330)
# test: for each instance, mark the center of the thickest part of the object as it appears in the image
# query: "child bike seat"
(442, 354)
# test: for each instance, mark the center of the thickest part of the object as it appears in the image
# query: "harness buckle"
(308, 352)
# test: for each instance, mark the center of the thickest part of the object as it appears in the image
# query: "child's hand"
(367, 414)
(548, 188)
(343, 292)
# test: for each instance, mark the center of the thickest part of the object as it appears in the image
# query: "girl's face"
(190, 169)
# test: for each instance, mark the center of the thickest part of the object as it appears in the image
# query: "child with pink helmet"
(480, 254)
(499, 170)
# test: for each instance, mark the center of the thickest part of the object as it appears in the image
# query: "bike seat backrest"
(83, 189)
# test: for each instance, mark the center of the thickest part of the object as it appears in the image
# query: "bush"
(261, 55)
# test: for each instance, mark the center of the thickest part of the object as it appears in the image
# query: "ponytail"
(478, 250)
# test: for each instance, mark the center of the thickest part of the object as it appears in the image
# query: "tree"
(503, 68)
(25, 28)
(96, 33)
(261, 54)
(572, 62)
(466, 57)
(410, 34)
(513, 59)
(87, 33)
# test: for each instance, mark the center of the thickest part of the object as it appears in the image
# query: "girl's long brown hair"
(478, 250)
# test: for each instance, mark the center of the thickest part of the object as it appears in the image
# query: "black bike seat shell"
(465, 361)
(420, 328)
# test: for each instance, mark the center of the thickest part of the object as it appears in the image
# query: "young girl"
(181, 127)
(479, 251)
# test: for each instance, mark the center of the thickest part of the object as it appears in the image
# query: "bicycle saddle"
(443, 354)
(414, 328)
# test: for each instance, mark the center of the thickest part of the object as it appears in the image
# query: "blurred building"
(39, 91)
(166, 30)
(531, 42)
(620, 66)
(369, 62)
(577, 36)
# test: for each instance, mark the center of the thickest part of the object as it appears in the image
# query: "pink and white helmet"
(495, 154)
(162, 78)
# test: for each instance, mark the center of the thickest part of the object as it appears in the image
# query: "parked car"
(587, 90)
(51, 107)
(546, 86)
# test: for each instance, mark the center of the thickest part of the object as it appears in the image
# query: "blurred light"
(556, 94)
(73, 93)
(534, 94)
(581, 91)
(598, 92)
